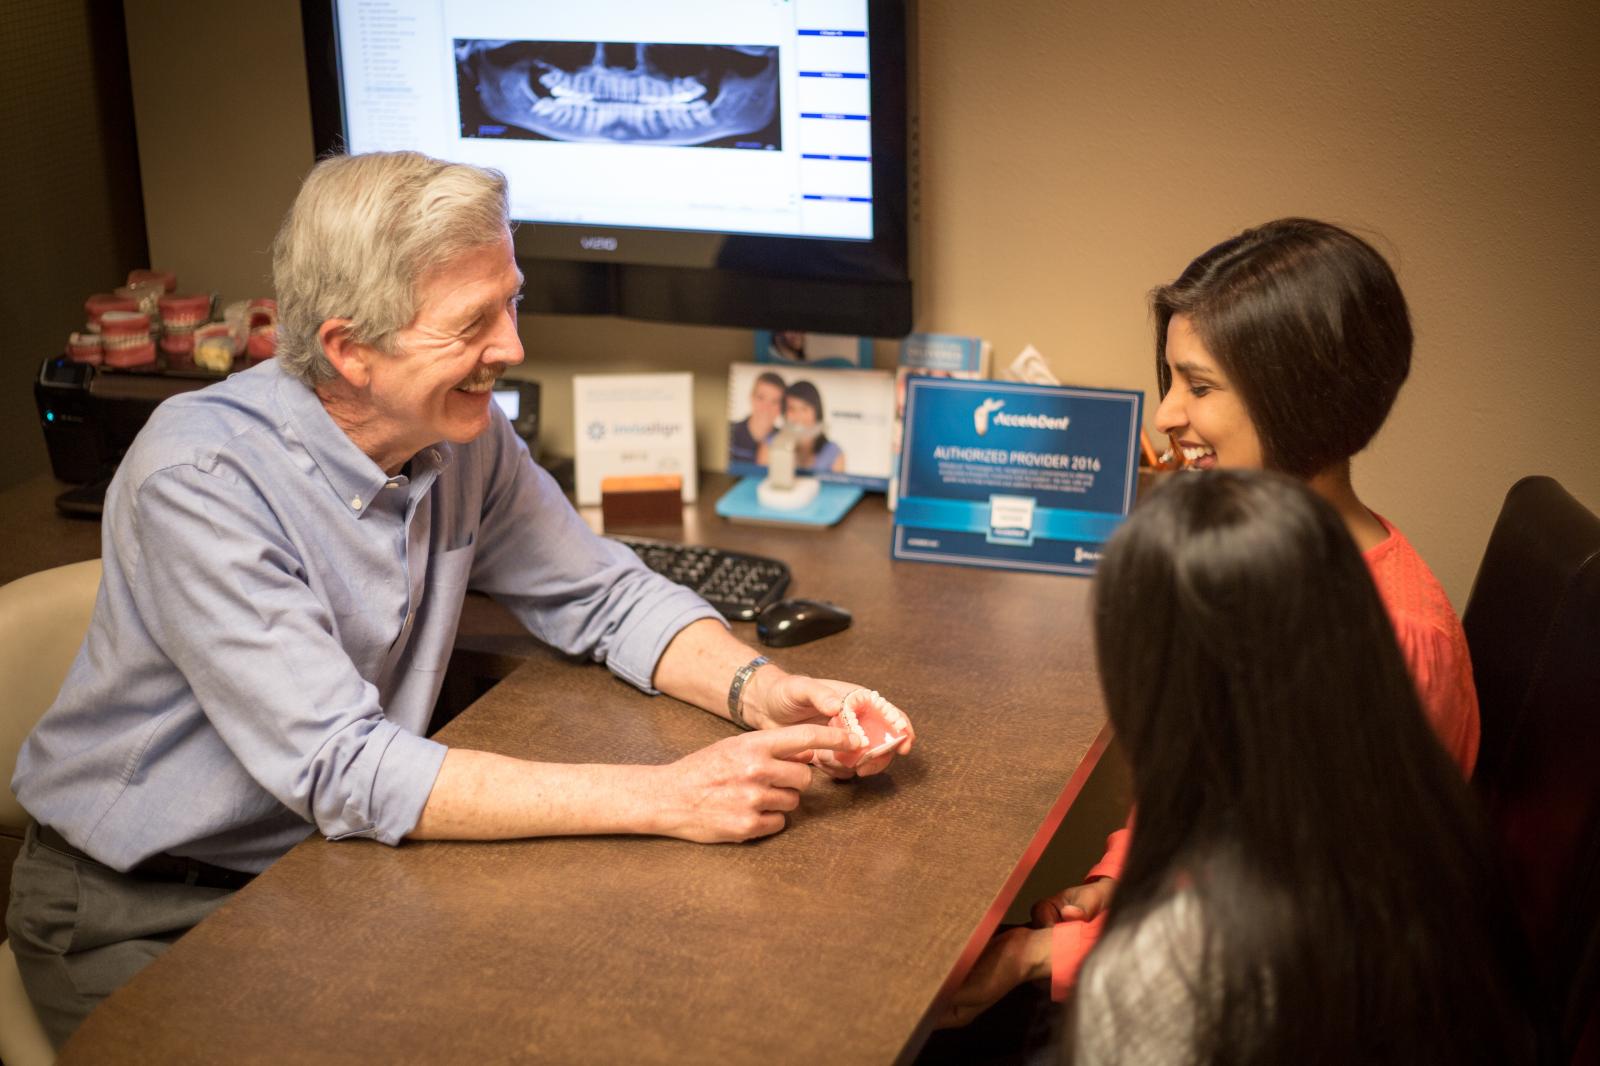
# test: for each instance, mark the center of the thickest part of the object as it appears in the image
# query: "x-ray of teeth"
(709, 96)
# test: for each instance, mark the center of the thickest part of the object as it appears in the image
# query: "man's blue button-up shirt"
(275, 618)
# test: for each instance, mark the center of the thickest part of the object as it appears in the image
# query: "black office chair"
(1533, 627)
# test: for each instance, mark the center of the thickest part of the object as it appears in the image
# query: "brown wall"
(70, 186)
(1073, 155)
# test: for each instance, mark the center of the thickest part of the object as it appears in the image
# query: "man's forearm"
(699, 664)
(482, 796)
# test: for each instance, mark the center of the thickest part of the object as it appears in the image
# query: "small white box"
(629, 424)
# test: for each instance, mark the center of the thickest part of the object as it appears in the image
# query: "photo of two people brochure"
(1013, 476)
(843, 417)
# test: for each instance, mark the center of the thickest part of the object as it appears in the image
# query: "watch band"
(736, 690)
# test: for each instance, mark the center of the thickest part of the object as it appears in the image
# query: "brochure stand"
(832, 502)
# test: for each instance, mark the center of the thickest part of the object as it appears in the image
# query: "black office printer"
(90, 414)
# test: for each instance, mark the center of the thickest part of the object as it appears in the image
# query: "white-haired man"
(285, 556)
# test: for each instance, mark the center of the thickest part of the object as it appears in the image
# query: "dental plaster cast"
(872, 719)
(213, 347)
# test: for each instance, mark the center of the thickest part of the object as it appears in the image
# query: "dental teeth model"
(180, 316)
(126, 336)
(97, 305)
(870, 718)
(86, 348)
(263, 330)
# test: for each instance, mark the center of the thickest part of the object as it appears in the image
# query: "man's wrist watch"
(736, 690)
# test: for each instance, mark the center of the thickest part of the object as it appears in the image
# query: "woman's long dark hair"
(1284, 774)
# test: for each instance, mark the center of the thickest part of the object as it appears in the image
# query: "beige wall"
(1073, 155)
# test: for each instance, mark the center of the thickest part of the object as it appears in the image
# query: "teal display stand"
(833, 502)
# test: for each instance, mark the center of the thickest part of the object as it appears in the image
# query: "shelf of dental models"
(147, 323)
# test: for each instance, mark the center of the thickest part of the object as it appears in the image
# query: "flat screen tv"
(721, 162)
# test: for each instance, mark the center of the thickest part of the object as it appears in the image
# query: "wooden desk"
(829, 942)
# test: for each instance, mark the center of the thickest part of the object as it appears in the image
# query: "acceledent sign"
(1031, 421)
(990, 411)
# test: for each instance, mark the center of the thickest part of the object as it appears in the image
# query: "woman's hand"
(1080, 903)
(1015, 956)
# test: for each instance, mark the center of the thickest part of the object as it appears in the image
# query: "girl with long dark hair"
(1309, 881)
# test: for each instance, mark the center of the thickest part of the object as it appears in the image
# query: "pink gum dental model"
(872, 719)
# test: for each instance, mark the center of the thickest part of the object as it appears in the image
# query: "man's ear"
(352, 361)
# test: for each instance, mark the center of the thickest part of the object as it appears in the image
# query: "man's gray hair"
(362, 234)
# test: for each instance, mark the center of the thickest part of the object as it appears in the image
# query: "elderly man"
(285, 559)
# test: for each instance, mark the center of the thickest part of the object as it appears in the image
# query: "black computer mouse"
(790, 622)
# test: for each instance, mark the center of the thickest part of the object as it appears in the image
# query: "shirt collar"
(351, 473)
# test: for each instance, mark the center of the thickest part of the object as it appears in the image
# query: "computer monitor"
(723, 162)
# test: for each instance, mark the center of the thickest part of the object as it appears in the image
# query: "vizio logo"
(598, 244)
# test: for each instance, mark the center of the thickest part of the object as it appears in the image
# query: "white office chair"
(43, 618)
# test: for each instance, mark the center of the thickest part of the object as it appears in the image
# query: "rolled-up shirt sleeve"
(235, 612)
(572, 589)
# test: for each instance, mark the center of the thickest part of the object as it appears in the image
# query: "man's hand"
(1015, 956)
(1080, 903)
(782, 699)
(703, 658)
(740, 787)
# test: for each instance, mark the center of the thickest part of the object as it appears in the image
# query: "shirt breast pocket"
(439, 613)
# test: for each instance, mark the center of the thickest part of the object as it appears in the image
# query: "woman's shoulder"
(1431, 640)
(1408, 586)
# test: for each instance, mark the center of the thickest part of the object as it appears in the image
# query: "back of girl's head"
(1285, 776)
(1241, 645)
(1309, 324)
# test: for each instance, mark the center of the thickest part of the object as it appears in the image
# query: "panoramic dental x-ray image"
(709, 96)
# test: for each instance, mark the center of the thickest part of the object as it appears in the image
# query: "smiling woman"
(1304, 326)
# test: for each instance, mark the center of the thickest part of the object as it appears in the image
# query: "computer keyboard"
(736, 584)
